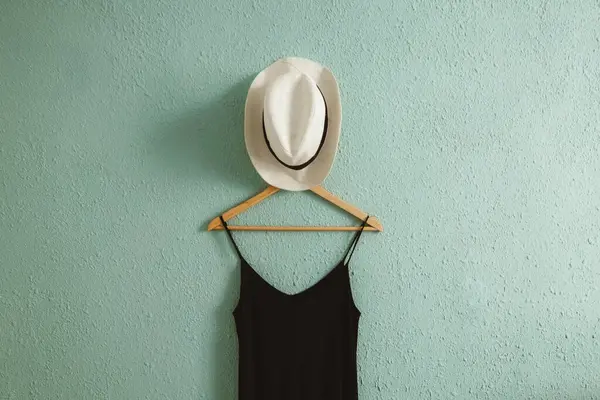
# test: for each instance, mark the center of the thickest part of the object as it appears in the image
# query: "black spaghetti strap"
(237, 249)
(354, 242)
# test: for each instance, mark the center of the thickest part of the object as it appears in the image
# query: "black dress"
(297, 346)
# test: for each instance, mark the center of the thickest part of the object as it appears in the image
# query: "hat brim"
(267, 166)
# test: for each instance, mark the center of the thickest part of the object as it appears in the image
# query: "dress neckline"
(309, 289)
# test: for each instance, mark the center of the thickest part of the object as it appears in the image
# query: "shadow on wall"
(225, 356)
(206, 144)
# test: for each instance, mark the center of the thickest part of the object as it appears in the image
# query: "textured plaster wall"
(470, 128)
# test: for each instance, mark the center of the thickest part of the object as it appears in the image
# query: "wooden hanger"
(373, 223)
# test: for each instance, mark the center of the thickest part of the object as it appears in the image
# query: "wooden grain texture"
(294, 228)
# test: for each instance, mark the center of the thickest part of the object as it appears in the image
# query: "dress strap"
(237, 249)
(354, 242)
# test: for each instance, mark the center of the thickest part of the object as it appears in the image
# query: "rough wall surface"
(470, 128)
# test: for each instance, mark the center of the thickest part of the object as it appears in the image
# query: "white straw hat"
(292, 123)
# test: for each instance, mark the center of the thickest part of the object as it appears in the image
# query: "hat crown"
(294, 117)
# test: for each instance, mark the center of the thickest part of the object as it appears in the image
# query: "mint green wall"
(470, 129)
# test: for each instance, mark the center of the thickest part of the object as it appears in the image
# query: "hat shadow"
(205, 144)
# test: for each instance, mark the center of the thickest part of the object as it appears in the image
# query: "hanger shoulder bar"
(240, 208)
(349, 208)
